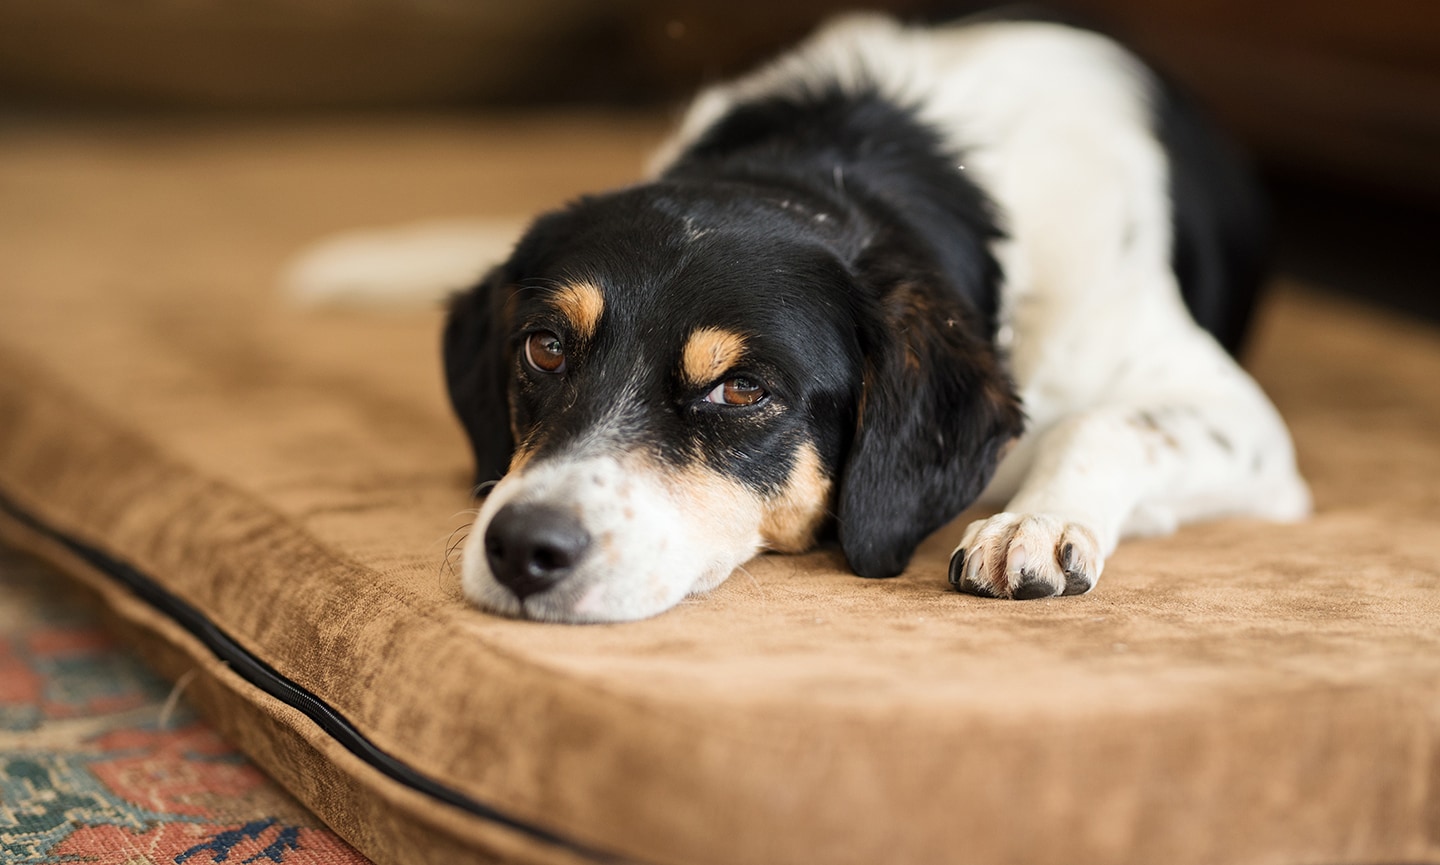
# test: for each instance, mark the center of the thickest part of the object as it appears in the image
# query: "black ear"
(476, 372)
(935, 412)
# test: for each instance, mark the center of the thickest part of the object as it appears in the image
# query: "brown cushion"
(266, 495)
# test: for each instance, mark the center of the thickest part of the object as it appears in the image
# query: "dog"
(894, 272)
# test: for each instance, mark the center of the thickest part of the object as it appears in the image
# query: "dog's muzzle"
(604, 539)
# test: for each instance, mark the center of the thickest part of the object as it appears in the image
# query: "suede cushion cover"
(264, 495)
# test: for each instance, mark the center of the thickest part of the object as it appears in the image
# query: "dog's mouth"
(605, 539)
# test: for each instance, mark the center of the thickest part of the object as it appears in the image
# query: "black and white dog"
(856, 278)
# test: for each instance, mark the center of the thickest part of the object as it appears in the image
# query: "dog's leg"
(1208, 445)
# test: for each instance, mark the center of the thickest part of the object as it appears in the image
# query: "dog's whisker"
(452, 545)
(759, 589)
(450, 535)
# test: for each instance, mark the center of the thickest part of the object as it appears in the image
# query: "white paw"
(1024, 556)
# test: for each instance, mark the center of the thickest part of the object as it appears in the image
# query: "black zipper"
(265, 677)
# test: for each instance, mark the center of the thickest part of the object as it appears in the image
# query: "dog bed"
(265, 495)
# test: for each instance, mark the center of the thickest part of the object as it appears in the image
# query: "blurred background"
(1338, 101)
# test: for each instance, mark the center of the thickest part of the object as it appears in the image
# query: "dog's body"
(849, 273)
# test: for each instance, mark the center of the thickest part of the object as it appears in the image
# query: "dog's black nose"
(533, 547)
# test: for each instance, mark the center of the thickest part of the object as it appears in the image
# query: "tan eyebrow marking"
(709, 352)
(582, 303)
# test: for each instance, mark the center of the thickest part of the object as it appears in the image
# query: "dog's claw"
(1030, 556)
(957, 568)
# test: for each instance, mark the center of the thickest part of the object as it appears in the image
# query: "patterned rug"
(98, 764)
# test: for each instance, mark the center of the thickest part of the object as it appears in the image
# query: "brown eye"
(737, 391)
(544, 352)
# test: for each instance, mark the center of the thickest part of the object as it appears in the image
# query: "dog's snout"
(532, 547)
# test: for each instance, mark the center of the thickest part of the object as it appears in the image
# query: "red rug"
(98, 764)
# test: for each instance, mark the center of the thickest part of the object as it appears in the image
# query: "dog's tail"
(410, 265)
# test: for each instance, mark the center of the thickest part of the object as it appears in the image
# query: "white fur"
(405, 265)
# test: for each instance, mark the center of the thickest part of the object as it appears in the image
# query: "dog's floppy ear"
(476, 372)
(935, 412)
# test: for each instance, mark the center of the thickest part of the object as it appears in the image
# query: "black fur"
(477, 372)
(1220, 220)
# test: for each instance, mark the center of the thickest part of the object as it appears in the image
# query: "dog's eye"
(737, 391)
(545, 352)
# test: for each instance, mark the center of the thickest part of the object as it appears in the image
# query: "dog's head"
(668, 379)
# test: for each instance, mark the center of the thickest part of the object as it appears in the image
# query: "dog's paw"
(1024, 556)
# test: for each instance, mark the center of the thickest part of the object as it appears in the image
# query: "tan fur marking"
(582, 303)
(708, 353)
(724, 509)
(520, 457)
(793, 516)
(720, 502)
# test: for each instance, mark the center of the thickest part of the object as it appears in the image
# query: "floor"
(103, 762)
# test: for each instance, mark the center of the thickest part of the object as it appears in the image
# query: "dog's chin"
(591, 598)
